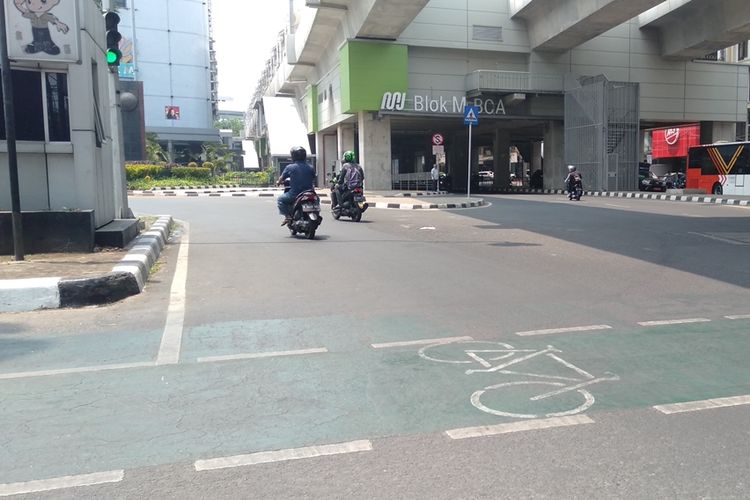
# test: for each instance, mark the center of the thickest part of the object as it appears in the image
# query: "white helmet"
(571, 168)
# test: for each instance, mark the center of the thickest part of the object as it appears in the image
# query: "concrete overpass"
(370, 19)
(693, 28)
(560, 25)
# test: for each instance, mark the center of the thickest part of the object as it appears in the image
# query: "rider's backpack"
(353, 177)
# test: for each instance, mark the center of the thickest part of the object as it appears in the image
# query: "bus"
(721, 168)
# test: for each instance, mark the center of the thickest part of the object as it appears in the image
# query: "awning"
(250, 156)
(285, 127)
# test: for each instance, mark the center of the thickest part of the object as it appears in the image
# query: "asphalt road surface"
(534, 348)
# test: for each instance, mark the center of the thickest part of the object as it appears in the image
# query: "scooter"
(576, 192)
(305, 215)
(353, 207)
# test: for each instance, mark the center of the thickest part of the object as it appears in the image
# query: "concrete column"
(321, 159)
(345, 142)
(536, 156)
(501, 154)
(723, 131)
(375, 150)
(555, 170)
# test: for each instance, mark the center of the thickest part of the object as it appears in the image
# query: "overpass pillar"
(501, 154)
(555, 169)
(375, 150)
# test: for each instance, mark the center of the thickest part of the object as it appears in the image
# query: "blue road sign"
(471, 115)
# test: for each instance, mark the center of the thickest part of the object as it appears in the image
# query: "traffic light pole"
(10, 136)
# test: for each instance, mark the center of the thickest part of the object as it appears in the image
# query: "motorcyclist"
(351, 176)
(573, 179)
(301, 176)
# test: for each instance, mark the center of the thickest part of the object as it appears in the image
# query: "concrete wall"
(76, 174)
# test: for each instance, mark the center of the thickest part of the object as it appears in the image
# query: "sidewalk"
(50, 281)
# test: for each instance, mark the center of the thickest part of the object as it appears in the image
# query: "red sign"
(437, 140)
(674, 142)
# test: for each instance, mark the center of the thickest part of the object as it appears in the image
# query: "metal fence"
(490, 80)
(601, 133)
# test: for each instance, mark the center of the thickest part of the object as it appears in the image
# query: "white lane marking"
(527, 425)
(706, 404)
(674, 321)
(171, 341)
(718, 238)
(59, 483)
(551, 331)
(68, 371)
(615, 205)
(739, 316)
(258, 355)
(264, 457)
(446, 340)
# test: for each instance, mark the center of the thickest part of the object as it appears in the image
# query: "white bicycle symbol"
(498, 357)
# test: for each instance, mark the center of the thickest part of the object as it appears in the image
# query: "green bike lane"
(89, 422)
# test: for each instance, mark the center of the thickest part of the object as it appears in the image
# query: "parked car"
(675, 180)
(652, 182)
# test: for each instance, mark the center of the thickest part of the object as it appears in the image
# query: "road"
(533, 348)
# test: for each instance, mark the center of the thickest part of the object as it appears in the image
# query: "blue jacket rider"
(301, 177)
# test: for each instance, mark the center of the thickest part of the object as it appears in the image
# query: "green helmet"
(349, 157)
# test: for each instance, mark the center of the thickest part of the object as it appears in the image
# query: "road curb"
(695, 198)
(127, 278)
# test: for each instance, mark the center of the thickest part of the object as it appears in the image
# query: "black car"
(649, 181)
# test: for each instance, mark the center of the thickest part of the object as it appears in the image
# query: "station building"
(557, 83)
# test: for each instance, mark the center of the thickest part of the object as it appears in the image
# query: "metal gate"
(601, 133)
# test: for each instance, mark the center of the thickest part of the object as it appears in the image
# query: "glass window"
(29, 106)
(27, 100)
(57, 107)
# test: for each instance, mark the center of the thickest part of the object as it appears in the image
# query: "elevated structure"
(559, 25)
(691, 29)
(388, 78)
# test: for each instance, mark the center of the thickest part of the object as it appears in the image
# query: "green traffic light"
(113, 56)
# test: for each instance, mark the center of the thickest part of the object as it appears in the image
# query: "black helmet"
(298, 153)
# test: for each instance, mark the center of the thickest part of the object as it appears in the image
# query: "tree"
(218, 154)
(236, 124)
(154, 151)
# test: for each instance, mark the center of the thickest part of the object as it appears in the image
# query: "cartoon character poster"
(42, 30)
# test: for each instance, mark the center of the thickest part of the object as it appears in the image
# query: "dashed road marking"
(526, 425)
(706, 404)
(738, 316)
(259, 355)
(674, 321)
(590, 328)
(446, 340)
(265, 457)
(59, 483)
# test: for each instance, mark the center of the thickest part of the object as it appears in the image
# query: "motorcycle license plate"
(359, 199)
(311, 207)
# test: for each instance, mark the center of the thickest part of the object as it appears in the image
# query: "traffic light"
(111, 20)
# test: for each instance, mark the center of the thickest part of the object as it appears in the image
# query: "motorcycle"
(305, 213)
(576, 192)
(354, 206)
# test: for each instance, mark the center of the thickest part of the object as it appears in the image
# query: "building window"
(120, 4)
(58, 117)
(742, 51)
(28, 101)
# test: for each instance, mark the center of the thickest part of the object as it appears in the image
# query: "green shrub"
(194, 172)
(140, 171)
(192, 164)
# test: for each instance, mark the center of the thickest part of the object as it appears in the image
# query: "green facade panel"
(369, 70)
(312, 110)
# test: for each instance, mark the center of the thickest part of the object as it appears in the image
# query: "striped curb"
(127, 278)
(716, 200)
